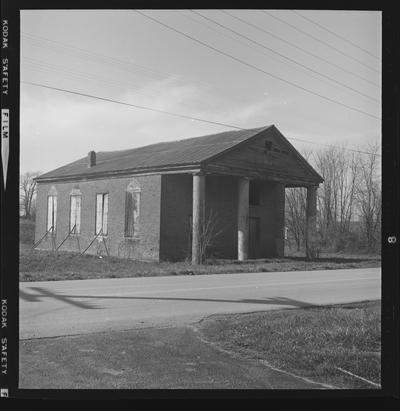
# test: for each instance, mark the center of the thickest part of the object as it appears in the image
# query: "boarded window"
(254, 193)
(51, 213)
(101, 214)
(75, 214)
(132, 211)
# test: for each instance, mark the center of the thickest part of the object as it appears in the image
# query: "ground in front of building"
(47, 266)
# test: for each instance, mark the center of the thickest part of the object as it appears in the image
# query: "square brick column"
(243, 218)
(198, 216)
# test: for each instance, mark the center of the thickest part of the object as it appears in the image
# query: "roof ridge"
(128, 152)
(186, 139)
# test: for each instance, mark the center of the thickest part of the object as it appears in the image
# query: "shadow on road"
(45, 293)
(41, 293)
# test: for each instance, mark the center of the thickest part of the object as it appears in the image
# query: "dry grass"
(311, 342)
(36, 265)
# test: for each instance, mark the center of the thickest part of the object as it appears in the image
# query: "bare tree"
(369, 197)
(337, 195)
(351, 190)
(27, 187)
(295, 203)
(209, 233)
(296, 214)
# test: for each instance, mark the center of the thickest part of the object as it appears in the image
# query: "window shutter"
(99, 212)
(49, 212)
(75, 217)
(128, 214)
(136, 211)
(78, 215)
(54, 213)
(72, 217)
(105, 214)
(132, 211)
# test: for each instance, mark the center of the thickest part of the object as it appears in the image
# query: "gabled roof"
(190, 152)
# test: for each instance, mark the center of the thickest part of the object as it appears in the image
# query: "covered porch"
(246, 214)
(247, 229)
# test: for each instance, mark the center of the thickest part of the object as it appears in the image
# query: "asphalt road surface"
(59, 308)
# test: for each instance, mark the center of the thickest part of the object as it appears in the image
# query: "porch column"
(198, 216)
(243, 218)
(311, 221)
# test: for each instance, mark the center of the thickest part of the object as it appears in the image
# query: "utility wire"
(335, 34)
(255, 67)
(301, 48)
(120, 64)
(175, 114)
(216, 29)
(90, 76)
(139, 88)
(321, 41)
(132, 105)
(285, 57)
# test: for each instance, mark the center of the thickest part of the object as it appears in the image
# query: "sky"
(125, 56)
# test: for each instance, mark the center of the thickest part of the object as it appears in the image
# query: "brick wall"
(176, 207)
(271, 212)
(221, 201)
(164, 225)
(145, 247)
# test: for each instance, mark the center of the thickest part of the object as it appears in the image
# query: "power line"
(285, 57)
(172, 114)
(247, 44)
(132, 105)
(335, 34)
(302, 49)
(321, 41)
(139, 89)
(79, 74)
(91, 55)
(111, 61)
(255, 67)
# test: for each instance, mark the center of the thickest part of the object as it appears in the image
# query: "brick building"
(153, 202)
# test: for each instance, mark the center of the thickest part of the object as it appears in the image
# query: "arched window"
(52, 210)
(132, 209)
(75, 211)
(101, 214)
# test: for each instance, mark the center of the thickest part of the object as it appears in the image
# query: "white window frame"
(136, 194)
(75, 213)
(101, 216)
(51, 221)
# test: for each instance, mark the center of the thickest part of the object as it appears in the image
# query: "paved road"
(49, 309)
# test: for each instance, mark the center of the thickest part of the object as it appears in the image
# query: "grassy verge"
(39, 265)
(319, 343)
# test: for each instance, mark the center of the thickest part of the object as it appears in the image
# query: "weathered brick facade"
(146, 247)
(221, 205)
(165, 217)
